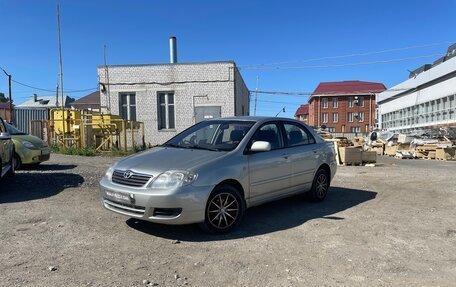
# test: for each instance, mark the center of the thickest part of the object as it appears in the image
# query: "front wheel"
(320, 186)
(17, 161)
(12, 169)
(224, 210)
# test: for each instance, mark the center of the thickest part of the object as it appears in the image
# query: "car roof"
(254, 119)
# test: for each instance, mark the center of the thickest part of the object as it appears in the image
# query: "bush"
(86, 151)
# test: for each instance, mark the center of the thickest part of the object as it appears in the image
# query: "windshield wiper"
(170, 145)
(195, 146)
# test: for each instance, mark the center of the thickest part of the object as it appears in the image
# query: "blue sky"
(248, 32)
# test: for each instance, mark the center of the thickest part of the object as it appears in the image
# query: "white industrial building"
(170, 97)
(426, 99)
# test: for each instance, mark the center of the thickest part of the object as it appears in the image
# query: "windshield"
(212, 135)
(12, 130)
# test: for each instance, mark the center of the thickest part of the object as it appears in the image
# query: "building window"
(350, 102)
(335, 117)
(360, 117)
(355, 129)
(335, 101)
(325, 118)
(350, 117)
(361, 101)
(324, 103)
(127, 106)
(165, 113)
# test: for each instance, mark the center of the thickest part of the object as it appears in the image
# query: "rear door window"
(296, 135)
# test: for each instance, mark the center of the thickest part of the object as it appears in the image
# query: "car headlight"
(110, 171)
(28, 145)
(173, 179)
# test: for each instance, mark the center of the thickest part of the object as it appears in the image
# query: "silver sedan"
(214, 170)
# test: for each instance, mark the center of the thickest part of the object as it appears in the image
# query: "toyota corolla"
(214, 170)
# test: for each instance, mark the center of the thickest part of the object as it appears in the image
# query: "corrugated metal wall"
(22, 118)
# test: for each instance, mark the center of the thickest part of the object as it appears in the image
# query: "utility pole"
(61, 73)
(10, 95)
(256, 97)
(57, 95)
(108, 93)
(10, 100)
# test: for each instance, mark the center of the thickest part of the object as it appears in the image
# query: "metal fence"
(24, 116)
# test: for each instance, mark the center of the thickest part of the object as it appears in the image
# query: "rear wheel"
(224, 210)
(320, 186)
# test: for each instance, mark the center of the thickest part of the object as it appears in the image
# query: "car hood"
(36, 141)
(161, 159)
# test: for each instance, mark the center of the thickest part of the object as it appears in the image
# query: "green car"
(28, 149)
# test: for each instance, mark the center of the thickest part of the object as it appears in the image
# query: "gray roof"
(170, 64)
(44, 102)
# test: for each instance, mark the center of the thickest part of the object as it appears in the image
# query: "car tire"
(224, 210)
(320, 186)
(11, 171)
(18, 162)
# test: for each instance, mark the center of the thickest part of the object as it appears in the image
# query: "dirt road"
(393, 225)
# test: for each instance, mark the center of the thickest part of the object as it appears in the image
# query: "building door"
(207, 112)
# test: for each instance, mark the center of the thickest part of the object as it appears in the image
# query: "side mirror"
(260, 146)
(5, 136)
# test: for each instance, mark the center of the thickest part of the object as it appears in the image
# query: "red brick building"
(347, 106)
(5, 111)
(302, 114)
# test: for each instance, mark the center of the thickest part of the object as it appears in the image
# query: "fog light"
(167, 212)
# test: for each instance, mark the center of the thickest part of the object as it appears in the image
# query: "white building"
(170, 97)
(426, 99)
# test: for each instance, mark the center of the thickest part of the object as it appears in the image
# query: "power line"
(49, 90)
(343, 65)
(79, 91)
(328, 94)
(349, 55)
(284, 93)
(277, 102)
(32, 87)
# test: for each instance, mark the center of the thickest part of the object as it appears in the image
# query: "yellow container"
(72, 119)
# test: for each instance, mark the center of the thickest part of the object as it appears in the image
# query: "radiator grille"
(134, 179)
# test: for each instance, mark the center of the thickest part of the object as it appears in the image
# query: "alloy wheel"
(223, 210)
(321, 185)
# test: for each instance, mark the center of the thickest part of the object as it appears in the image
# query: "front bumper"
(31, 156)
(182, 206)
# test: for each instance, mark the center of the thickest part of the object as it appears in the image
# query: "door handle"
(285, 156)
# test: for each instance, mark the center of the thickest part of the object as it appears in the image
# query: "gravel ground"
(392, 225)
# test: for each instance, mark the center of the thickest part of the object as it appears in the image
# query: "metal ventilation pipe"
(172, 50)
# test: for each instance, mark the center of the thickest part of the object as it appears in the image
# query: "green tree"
(3, 99)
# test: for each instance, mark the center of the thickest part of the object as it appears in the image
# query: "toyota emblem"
(127, 174)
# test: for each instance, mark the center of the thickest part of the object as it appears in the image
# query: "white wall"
(436, 91)
(204, 84)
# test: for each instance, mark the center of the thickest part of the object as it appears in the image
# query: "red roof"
(349, 88)
(302, 110)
